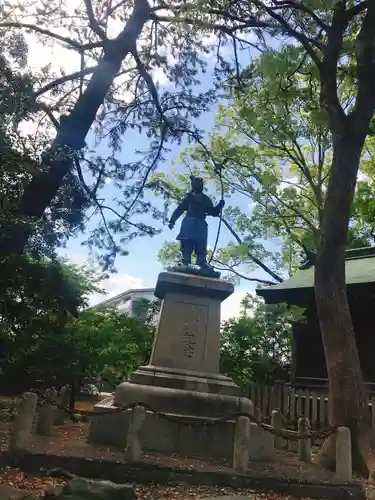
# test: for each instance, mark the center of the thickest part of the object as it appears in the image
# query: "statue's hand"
(171, 225)
(221, 204)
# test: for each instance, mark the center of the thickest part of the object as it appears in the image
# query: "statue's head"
(196, 184)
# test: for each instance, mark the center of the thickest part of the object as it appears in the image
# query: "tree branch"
(287, 206)
(328, 68)
(251, 256)
(72, 43)
(303, 8)
(149, 170)
(64, 79)
(149, 82)
(227, 267)
(357, 9)
(300, 37)
(253, 22)
(365, 57)
(44, 107)
(208, 26)
(93, 197)
(102, 207)
(111, 10)
(94, 25)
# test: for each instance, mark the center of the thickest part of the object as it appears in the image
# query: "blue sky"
(141, 267)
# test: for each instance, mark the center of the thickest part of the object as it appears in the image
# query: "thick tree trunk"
(347, 394)
(70, 138)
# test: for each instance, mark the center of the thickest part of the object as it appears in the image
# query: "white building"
(129, 301)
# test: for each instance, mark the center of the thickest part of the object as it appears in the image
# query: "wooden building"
(308, 362)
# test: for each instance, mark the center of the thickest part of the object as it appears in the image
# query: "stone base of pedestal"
(162, 435)
(174, 378)
(179, 401)
(182, 378)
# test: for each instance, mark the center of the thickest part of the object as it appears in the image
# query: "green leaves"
(94, 343)
(276, 114)
(274, 143)
(256, 346)
(169, 254)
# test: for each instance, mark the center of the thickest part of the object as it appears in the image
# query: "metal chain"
(286, 434)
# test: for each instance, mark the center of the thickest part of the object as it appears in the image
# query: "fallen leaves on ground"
(71, 440)
(18, 480)
(155, 492)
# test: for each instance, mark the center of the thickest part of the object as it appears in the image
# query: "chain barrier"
(209, 422)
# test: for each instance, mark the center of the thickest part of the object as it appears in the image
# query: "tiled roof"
(359, 269)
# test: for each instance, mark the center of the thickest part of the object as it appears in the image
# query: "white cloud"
(114, 285)
(121, 282)
(231, 307)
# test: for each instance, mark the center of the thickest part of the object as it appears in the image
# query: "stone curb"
(144, 473)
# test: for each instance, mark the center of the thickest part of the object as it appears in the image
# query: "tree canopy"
(58, 341)
(274, 146)
(256, 346)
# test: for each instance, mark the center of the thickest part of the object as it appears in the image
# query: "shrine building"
(308, 362)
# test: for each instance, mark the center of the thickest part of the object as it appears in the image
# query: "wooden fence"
(295, 403)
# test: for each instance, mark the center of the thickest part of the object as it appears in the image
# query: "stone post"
(247, 406)
(241, 444)
(343, 454)
(133, 443)
(304, 445)
(47, 414)
(23, 423)
(292, 445)
(277, 424)
(63, 400)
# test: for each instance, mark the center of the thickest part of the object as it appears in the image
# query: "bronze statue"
(194, 229)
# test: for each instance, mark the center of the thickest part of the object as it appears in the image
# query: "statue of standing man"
(194, 229)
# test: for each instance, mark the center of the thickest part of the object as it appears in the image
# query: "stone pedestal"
(183, 377)
(186, 351)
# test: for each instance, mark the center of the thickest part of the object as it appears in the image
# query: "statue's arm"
(212, 210)
(176, 214)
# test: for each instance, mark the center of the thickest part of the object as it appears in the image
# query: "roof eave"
(294, 296)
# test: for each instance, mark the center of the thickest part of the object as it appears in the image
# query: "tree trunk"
(347, 393)
(71, 135)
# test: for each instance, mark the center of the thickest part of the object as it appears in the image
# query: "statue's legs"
(187, 247)
(200, 248)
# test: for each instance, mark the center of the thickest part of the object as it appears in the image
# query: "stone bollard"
(277, 424)
(62, 400)
(304, 445)
(343, 454)
(23, 423)
(262, 443)
(133, 442)
(47, 414)
(292, 445)
(247, 406)
(241, 444)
